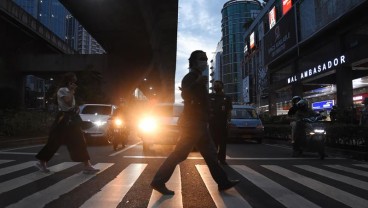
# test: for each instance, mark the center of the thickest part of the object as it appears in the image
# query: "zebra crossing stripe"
(349, 170)
(14, 168)
(330, 191)
(113, 192)
(230, 198)
(29, 178)
(159, 200)
(335, 176)
(283, 195)
(362, 165)
(41, 198)
(5, 161)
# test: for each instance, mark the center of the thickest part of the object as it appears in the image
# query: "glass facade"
(235, 14)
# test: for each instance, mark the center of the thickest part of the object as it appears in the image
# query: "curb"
(16, 142)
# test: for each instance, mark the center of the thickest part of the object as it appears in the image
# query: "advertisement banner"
(280, 38)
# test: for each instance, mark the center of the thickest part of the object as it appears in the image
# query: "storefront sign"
(325, 66)
(286, 6)
(327, 104)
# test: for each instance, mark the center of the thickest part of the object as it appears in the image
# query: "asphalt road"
(269, 178)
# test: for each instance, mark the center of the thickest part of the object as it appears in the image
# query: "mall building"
(317, 49)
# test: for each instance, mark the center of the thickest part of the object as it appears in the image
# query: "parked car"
(245, 124)
(160, 125)
(97, 118)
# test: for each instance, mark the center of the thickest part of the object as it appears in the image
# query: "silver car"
(245, 124)
(98, 118)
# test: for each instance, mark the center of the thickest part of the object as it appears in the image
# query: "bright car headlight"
(118, 122)
(147, 124)
(99, 123)
(319, 131)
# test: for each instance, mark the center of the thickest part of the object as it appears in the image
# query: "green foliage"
(25, 123)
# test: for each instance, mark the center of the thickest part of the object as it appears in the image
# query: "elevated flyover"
(139, 38)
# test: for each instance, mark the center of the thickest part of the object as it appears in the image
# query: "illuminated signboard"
(327, 104)
(272, 17)
(251, 40)
(317, 69)
(286, 6)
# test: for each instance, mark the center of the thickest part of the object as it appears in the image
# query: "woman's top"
(63, 106)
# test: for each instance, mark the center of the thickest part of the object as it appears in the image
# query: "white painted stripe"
(125, 149)
(41, 198)
(332, 192)
(278, 145)
(335, 176)
(159, 200)
(113, 192)
(25, 147)
(349, 170)
(282, 158)
(362, 165)
(228, 198)
(159, 157)
(283, 195)
(29, 178)
(18, 153)
(5, 161)
(14, 168)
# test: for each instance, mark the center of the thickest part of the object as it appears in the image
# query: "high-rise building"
(236, 16)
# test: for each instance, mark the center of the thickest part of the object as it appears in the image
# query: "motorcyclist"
(291, 114)
(303, 111)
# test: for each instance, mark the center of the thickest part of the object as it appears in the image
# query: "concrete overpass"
(139, 38)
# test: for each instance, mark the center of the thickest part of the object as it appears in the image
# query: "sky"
(199, 28)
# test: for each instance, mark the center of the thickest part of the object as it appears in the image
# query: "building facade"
(236, 16)
(314, 49)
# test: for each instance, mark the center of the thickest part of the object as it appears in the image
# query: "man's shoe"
(162, 189)
(228, 185)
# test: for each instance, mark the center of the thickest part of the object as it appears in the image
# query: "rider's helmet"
(295, 99)
(302, 104)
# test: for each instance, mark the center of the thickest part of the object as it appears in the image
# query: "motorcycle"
(312, 134)
(118, 133)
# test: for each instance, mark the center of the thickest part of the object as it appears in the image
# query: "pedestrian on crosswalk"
(66, 129)
(194, 129)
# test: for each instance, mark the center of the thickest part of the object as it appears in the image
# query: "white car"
(97, 117)
(159, 125)
(245, 124)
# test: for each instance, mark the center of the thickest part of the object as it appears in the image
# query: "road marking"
(349, 170)
(330, 191)
(159, 200)
(159, 157)
(228, 198)
(280, 146)
(335, 176)
(112, 193)
(41, 198)
(5, 161)
(282, 158)
(10, 169)
(27, 147)
(18, 153)
(125, 149)
(362, 165)
(280, 193)
(29, 178)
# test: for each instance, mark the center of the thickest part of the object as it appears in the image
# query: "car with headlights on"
(97, 118)
(159, 125)
(245, 124)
